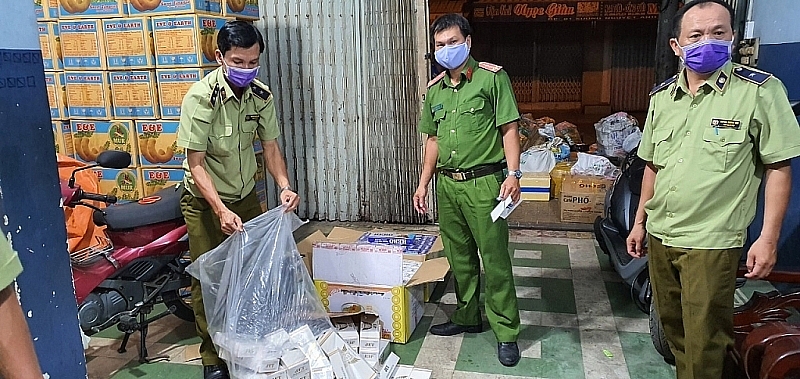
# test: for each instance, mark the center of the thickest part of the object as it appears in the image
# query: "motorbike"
(137, 265)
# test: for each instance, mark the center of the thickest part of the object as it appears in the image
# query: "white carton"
(348, 331)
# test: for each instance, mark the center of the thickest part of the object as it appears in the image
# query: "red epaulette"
(436, 79)
(490, 67)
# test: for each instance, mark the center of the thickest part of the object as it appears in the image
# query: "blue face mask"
(452, 56)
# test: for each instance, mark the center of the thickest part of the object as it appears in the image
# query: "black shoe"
(451, 329)
(215, 372)
(508, 353)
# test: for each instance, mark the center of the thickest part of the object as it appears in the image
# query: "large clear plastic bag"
(612, 131)
(256, 291)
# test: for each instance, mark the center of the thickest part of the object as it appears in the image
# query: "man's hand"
(290, 200)
(229, 222)
(635, 241)
(419, 199)
(761, 258)
(510, 187)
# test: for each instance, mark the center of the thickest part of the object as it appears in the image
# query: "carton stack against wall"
(124, 67)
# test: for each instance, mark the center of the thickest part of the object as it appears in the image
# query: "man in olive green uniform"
(470, 118)
(220, 116)
(17, 356)
(712, 132)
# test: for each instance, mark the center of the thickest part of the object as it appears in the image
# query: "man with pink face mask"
(713, 132)
(220, 117)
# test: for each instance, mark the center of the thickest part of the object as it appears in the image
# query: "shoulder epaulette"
(214, 95)
(663, 85)
(437, 78)
(260, 90)
(490, 67)
(751, 75)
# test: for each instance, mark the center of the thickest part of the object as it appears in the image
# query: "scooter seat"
(162, 206)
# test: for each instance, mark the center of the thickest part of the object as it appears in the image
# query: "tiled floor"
(578, 322)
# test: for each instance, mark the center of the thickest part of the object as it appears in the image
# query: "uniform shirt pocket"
(473, 114)
(220, 140)
(661, 140)
(248, 132)
(720, 148)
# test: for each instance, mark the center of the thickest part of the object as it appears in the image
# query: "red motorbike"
(140, 264)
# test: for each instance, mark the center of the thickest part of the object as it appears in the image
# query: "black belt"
(475, 172)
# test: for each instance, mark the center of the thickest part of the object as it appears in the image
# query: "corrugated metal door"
(632, 65)
(344, 75)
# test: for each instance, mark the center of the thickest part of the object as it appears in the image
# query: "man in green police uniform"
(470, 118)
(712, 132)
(17, 356)
(219, 117)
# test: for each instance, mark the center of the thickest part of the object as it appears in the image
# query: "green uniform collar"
(718, 81)
(468, 71)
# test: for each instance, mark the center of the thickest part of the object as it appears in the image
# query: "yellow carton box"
(172, 87)
(56, 95)
(535, 186)
(133, 94)
(157, 144)
(188, 40)
(51, 46)
(125, 184)
(243, 9)
(90, 8)
(128, 43)
(82, 44)
(46, 10)
(88, 94)
(93, 137)
(165, 7)
(154, 180)
(583, 198)
(63, 137)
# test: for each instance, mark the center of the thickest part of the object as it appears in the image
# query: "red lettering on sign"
(156, 127)
(84, 126)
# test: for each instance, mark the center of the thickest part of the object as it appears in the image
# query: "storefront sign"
(566, 11)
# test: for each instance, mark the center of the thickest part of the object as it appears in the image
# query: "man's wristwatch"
(515, 173)
(287, 188)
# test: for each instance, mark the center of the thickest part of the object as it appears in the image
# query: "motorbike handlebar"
(109, 199)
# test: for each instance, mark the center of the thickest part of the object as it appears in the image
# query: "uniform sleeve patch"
(436, 79)
(490, 67)
(663, 85)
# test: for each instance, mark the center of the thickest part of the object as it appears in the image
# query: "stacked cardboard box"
(583, 198)
(116, 73)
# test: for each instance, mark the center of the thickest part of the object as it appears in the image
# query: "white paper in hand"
(504, 208)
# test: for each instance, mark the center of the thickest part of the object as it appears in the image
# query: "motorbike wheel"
(182, 300)
(641, 292)
(658, 337)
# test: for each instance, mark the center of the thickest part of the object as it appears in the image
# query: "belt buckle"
(459, 176)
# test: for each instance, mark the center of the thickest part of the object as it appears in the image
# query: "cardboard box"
(50, 43)
(128, 43)
(56, 95)
(63, 138)
(124, 183)
(583, 197)
(158, 144)
(535, 186)
(188, 40)
(166, 7)
(40, 10)
(154, 180)
(93, 137)
(90, 8)
(172, 88)
(88, 95)
(133, 94)
(401, 306)
(243, 9)
(82, 44)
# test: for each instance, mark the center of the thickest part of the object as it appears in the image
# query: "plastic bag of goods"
(612, 131)
(594, 165)
(537, 159)
(257, 293)
(569, 133)
(529, 132)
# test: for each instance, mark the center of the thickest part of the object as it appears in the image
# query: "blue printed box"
(244, 9)
(56, 96)
(166, 7)
(172, 87)
(420, 245)
(182, 41)
(158, 144)
(50, 44)
(88, 94)
(82, 44)
(128, 43)
(133, 94)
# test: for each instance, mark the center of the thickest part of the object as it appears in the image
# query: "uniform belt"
(475, 172)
